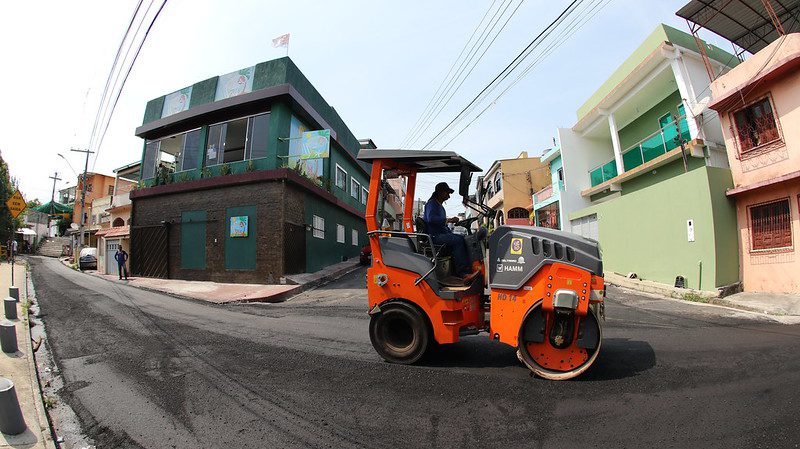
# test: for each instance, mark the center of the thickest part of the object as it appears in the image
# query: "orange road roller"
(537, 289)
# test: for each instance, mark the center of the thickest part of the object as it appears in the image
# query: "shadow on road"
(472, 352)
(620, 358)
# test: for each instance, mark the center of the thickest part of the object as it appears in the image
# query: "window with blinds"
(771, 225)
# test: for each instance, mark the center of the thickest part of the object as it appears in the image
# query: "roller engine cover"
(517, 253)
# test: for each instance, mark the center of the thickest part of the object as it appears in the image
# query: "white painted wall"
(578, 156)
(696, 77)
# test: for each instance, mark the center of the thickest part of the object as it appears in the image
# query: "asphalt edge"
(323, 280)
(273, 299)
(42, 418)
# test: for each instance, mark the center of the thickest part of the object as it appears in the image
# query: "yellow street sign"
(16, 204)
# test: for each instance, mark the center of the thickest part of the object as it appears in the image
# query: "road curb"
(33, 372)
(321, 281)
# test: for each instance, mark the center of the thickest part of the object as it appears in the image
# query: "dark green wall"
(193, 240)
(339, 157)
(203, 92)
(279, 126)
(240, 252)
(152, 111)
(323, 252)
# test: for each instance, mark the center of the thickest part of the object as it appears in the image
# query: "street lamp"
(70, 165)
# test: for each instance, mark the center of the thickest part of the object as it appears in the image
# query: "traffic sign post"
(16, 204)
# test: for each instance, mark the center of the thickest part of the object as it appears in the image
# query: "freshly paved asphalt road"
(147, 370)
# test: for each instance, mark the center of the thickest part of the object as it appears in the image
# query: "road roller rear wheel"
(400, 333)
(537, 352)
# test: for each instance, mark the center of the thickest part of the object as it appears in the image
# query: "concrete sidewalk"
(20, 368)
(223, 293)
(780, 306)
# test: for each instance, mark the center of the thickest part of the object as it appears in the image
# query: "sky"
(377, 63)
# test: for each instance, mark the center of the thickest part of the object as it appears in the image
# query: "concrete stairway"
(53, 246)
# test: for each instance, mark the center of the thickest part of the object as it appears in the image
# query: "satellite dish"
(73, 226)
(701, 106)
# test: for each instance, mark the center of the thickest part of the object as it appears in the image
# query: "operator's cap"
(443, 186)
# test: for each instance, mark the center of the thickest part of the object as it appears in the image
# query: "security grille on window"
(518, 213)
(364, 194)
(354, 237)
(498, 182)
(755, 125)
(355, 188)
(319, 227)
(339, 233)
(341, 178)
(771, 225)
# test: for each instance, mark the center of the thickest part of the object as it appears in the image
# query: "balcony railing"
(543, 194)
(645, 150)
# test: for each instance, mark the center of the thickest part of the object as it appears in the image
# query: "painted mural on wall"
(177, 102)
(235, 83)
(306, 158)
(239, 226)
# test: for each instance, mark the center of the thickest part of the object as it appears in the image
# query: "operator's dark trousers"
(122, 269)
(459, 247)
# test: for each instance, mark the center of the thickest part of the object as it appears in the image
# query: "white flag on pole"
(281, 41)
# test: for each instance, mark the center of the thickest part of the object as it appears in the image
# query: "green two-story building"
(231, 189)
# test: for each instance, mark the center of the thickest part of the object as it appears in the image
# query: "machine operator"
(436, 221)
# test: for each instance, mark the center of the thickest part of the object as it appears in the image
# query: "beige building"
(759, 107)
(509, 185)
(114, 219)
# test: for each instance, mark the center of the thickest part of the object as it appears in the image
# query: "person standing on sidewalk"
(121, 257)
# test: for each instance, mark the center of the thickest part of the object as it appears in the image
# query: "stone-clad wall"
(270, 198)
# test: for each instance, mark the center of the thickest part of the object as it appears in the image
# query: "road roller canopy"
(422, 161)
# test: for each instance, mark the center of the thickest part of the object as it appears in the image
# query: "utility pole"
(53, 195)
(83, 197)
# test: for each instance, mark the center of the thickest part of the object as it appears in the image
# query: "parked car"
(88, 259)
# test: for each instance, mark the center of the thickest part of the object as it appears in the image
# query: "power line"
(125, 79)
(103, 97)
(446, 77)
(572, 27)
(509, 68)
(441, 105)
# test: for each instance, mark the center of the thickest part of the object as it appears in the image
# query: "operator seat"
(422, 241)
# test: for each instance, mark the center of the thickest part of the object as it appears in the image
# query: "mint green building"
(644, 168)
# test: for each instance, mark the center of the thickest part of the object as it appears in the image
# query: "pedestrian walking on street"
(13, 250)
(121, 257)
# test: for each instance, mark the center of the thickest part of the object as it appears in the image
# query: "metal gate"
(294, 248)
(150, 251)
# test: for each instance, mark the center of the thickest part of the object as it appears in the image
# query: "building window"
(518, 212)
(354, 237)
(498, 182)
(355, 188)
(319, 227)
(341, 178)
(560, 173)
(88, 187)
(771, 225)
(755, 125)
(237, 140)
(110, 190)
(364, 195)
(339, 233)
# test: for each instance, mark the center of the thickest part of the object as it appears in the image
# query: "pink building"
(759, 107)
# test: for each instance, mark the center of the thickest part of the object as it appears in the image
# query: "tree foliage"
(7, 224)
